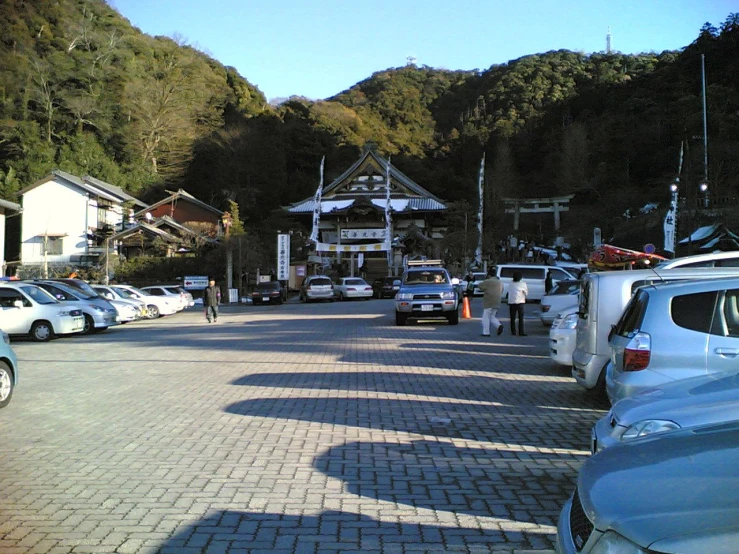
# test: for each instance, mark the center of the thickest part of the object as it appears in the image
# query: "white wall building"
(64, 215)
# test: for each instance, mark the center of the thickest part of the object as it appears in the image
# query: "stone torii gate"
(555, 205)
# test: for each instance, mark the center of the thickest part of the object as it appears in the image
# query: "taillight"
(638, 352)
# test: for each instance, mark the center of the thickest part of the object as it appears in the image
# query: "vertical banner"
(670, 224)
(478, 250)
(317, 206)
(283, 257)
(388, 220)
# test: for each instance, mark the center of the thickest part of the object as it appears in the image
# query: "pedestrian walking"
(211, 299)
(548, 282)
(518, 290)
(492, 293)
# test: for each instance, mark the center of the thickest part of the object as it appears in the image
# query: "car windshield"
(77, 284)
(425, 277)
(272, 285)
(78, 293)
(39, 295)
(123, 292)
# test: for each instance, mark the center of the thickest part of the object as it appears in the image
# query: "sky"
(319, 48)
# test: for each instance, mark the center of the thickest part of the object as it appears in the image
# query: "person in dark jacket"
(548, 282)
(211, 299)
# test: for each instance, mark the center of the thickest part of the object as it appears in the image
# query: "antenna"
(608, 41)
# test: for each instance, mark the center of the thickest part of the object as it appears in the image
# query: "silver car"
(674, 331)
(99, 313)
(317, 287)
(677, 405)
(671, 493)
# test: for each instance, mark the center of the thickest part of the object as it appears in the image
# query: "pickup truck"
(426, 293)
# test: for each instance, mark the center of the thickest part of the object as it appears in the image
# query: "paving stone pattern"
(319, 428)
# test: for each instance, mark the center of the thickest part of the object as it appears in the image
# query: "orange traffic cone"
(466, 312)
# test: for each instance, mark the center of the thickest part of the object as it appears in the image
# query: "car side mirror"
(18, 303)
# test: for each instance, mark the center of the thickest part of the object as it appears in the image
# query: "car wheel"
(6, 384)
(341, 297)
(89, 327)
(152, 311)
(401, 319)
(42, 331)
(453, 318)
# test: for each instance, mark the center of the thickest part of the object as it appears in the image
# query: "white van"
(716, 259)
(603, 297)
(533, 275)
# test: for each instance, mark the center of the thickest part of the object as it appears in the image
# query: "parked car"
(534, 276)
(111, 294)
(676, 492)
(674, 331)
(8, 369)
(603, 297)
(170, 292)
(562, 336)
(385, 287)
(426, 292)
(99, 313)
(316, 287)
(271, 292)
(680, 404)
(76, 283)
(26, 309)
(127, 311)
(352, 287)
(714, 259)
(563, 295)
(156, 306)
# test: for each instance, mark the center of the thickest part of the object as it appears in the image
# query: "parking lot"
(296, 428)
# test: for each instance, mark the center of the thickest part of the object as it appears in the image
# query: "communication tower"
(608, 41)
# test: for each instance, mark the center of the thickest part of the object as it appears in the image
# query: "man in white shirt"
(518, 290)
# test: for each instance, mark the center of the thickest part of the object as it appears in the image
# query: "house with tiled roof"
(352, 217)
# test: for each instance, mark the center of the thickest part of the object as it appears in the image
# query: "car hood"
(686, 402)
(668, 488)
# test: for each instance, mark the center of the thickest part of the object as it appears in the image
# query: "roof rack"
(425, 263)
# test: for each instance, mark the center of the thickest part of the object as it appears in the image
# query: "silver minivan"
(675, 331)
(603, 297)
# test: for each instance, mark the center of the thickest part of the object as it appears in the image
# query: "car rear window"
(694, 311)
(354, 282)
(271, 285)
(633, 315)
(526, 272)
(323, 281)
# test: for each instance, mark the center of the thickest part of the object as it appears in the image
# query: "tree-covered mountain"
(83, 90)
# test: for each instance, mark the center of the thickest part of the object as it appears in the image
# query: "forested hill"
(84, 91)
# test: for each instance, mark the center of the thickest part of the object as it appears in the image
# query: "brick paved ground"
(315, 428)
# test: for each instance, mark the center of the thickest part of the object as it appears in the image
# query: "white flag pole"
(478, 250)
(317, 206)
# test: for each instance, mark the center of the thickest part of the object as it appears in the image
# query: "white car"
(170, 292)
(352, 287)
(111, 294)
(127, 311)
(565, 294)
(26, 309)
(563, 336)
(8, 370)
(155, 305)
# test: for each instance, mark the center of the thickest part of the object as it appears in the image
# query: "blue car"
(8, 370)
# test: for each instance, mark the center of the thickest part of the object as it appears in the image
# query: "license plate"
(427, 307)
(265, 298)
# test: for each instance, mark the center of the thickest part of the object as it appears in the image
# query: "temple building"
(352, 230)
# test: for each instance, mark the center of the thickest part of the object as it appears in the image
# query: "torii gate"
(555, 205)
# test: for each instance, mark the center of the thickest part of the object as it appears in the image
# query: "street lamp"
(704, 189)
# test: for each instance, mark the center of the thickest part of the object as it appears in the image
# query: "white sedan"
(26, 309)
(352, 287)
(155, 305)
(563, 336)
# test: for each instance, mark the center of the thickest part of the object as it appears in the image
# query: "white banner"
(317, 206)
(379, 247)
(670, 225)
(358, 234)
(388, 219)
(283, 257)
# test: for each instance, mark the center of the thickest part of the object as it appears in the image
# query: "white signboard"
(196, 282)
(358, 234)
(283, 257)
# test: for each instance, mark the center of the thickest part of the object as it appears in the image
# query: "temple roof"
(366, 180)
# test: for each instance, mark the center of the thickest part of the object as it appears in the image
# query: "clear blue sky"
(318, 48)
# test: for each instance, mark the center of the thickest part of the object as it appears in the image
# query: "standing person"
(492, 290)
(211, 299)
(518, 290)
(548, 282)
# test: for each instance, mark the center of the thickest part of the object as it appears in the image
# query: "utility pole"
(107, 256)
